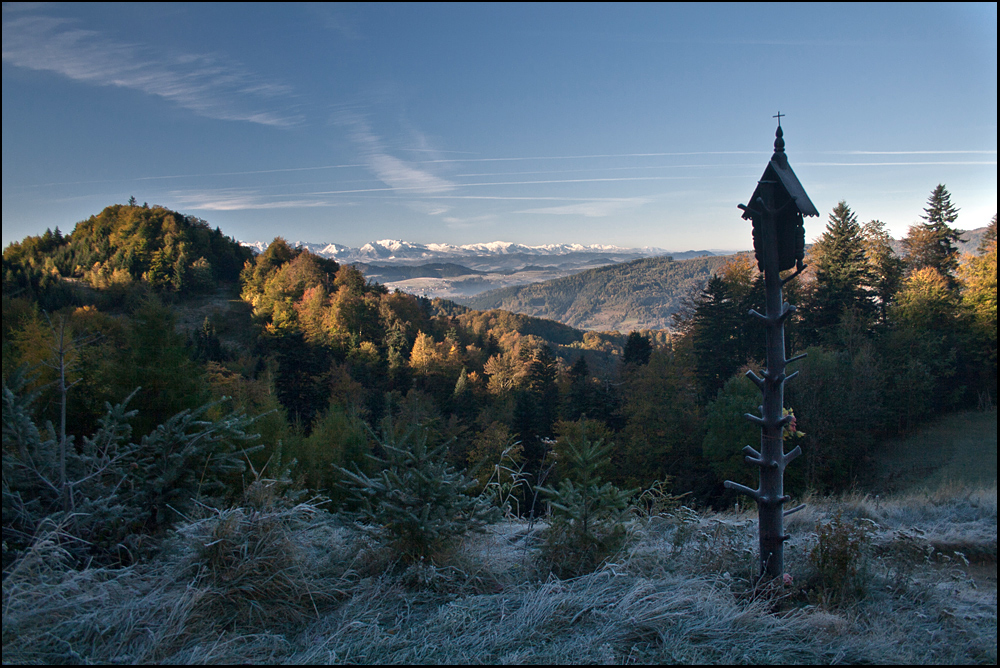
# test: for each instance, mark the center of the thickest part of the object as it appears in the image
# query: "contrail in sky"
(566, 171)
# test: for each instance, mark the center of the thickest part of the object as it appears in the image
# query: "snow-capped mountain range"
(451, 271)
(405, 252)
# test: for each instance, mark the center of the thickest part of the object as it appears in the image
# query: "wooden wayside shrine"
(776, 208)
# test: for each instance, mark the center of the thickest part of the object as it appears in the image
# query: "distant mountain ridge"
(455, 271)
(494, 255)
(641, 294)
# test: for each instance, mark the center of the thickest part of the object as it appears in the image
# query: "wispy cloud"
(908, 163)
(632, 168)
(993, 151)
(336, 19)
(436, 150)
(240, 200)
(597, 155)
(593, 180)
(536, 198)
(429, 208)
(186, 176)
(397, 174)
(592, 209)
(456, 223)
(419, 189)
(206, 84)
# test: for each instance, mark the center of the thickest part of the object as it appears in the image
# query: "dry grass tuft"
(248, 569)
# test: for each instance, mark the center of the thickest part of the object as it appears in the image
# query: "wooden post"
(771, 459)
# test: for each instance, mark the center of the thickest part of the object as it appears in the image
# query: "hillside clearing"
(960, 448)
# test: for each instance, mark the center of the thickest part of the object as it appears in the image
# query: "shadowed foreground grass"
(295, 586)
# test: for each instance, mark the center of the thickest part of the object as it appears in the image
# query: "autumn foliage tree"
(978, 274)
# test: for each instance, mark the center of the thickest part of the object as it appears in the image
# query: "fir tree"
(720, 336)
(637, 350)
(586, 525)
(715, 335)
(580, 400)
(886, 268)
(842, 274)
(988, 242)
(932, 243)
(537, 407)
(108, 490)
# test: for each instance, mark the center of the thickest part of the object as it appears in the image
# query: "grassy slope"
(641, 294)
(295, 585)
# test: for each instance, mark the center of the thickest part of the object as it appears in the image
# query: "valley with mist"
(459, 272)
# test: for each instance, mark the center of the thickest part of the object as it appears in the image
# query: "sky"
(630, 125)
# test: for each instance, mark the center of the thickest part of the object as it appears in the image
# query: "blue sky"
(617, 124)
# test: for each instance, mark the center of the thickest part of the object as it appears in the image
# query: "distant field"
(959, 449)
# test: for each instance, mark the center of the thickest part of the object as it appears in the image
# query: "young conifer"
(587, 514)
(417, 503)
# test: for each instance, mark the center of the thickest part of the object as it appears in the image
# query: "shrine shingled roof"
(779, 170)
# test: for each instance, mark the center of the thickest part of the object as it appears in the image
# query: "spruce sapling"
(587, 515)
(417, 503)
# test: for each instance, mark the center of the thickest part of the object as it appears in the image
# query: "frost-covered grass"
(296, 586)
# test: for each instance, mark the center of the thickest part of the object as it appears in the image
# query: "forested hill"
(642, 294)
(124, 244)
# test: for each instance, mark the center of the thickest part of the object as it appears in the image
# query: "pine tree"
(580, 400)
(842, 274)
(107, 490)
(988, 242)
(637, 350)
(721, 339)
(715, 335)
(537, 406)
(932, 243)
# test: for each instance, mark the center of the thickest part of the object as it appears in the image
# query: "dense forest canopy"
(103, 391)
